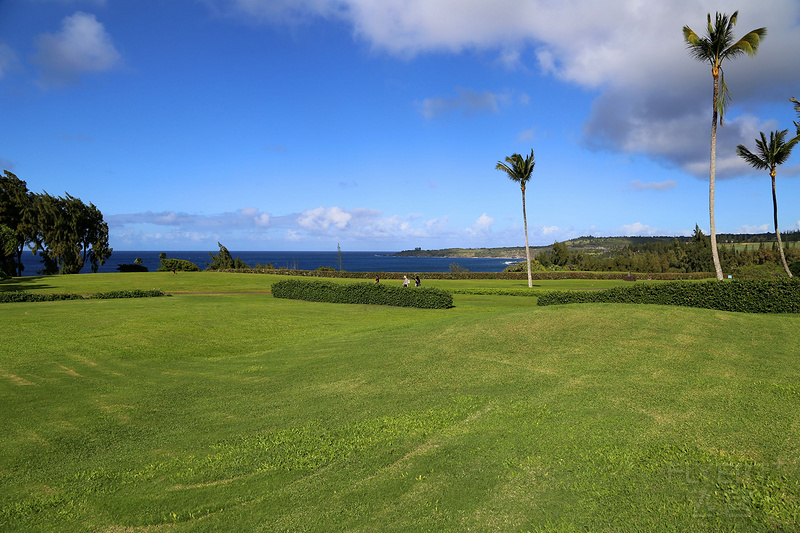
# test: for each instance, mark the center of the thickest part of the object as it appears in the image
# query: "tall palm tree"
(796, 103)
(714, 48)
(520, 170)
(770, 155)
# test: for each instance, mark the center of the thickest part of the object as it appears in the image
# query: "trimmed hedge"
(362, 293)
(22, 296)
(745, 296)
(499, 292)
(132, 267)
(182, 265)
(135, 293)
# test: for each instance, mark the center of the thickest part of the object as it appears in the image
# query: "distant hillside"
(593, 244)
(512, 252)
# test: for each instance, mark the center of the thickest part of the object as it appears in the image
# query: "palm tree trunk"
(527, 248)
(777, 232)
(711, 182)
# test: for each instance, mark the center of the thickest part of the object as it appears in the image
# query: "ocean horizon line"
(351, 261)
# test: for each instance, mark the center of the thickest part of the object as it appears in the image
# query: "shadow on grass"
(24, 284)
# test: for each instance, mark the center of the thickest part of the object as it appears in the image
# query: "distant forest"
(642, 254)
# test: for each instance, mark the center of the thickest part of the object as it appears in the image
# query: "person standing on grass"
(405, 281)
(417, 282)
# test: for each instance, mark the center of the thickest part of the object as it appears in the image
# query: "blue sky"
(376, 125)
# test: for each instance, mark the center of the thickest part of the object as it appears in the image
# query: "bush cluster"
(497, 292)
(745, 296)
(23, 296)
(362, 293)
(134, 293)
(765, 271)
(183, 265)
(132, 267)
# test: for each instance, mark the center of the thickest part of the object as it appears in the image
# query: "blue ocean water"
(351, 261)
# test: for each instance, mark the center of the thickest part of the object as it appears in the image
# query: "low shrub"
(765, 271)
(362, 293)
(23, 296)
(132, 267)
(745, 296)
(794, 268)
(498, 292)
(134, 293)
(183, 265)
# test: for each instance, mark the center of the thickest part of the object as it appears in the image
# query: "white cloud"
(763, 228)
(511, 59)
(527, 135)
(637, 185)
(324, 219)
(81, 46)
(636, 229)
(468, 102)
(482, 226)
(550, 230)
(8, 59)
(248, 218)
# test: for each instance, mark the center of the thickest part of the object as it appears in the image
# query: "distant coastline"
(588, 244)
(468, 253)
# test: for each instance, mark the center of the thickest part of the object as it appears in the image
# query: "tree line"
(677, 255)
(63, 231)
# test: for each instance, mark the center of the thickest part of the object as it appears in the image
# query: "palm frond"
(517, 168)
(771, 153)
(724, 98)
(750, 158)
(780, 148)
(690, 36)
(747, 44)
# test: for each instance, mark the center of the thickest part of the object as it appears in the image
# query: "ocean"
(351, 261)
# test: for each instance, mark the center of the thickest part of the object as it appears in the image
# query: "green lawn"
(217, 282)
(222, 409)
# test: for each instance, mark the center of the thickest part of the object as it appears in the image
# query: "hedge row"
(476, 275)
(22, 296)
(746, 296)
(132, 267)
(362, 293)
(135, 293)
(178, 265)
(499, 292)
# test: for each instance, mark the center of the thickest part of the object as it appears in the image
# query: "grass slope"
(236, 411)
